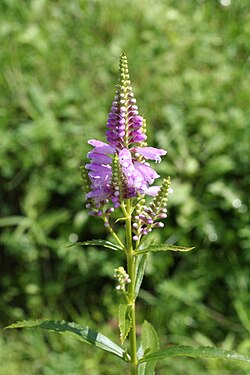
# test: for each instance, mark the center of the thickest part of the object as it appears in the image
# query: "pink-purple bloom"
(125, 141)
(124, 125)
(138, 175)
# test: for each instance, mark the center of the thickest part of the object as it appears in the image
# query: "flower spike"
(118, 169)
(85, 179)
(124, 124)
(146, 218)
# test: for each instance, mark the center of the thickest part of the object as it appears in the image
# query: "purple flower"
(125, 126)
(146, 171)
(101, 147)
(134, 178)
(151, 153)
(100, 170)
(138, 174)
(118, 169)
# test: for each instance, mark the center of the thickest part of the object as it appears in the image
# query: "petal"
(147, 172)
(138, 119)
(151, 153)
(125, 158)
(105, 149)
(98, 168)
(152, 190)
(134, 177)
(136, 138)
(96, 143)
(100, 178)
(98, 158)
(99, 194)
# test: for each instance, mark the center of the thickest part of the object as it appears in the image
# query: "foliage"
(55, 79)
(84, 334)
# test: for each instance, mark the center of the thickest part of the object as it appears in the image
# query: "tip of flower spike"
(124, 74)
(123, 56)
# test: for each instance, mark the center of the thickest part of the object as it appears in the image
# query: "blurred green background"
(189, 63)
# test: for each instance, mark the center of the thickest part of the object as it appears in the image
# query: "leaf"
(163, 247)
(124, 320)
(139, 272)
(149, 337)
(149, 343)
(195, 352)
(103, 243)
(84, 334)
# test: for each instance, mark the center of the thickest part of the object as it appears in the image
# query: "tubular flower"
(100, 170)
(119, 169)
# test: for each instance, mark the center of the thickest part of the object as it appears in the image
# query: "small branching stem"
(111, 231)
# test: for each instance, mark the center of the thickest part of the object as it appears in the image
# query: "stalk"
(115, 236)
(131, 290)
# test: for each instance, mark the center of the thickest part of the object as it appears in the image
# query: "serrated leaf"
(124, 320)
(84, 334)
(195, 352)
(149, 337)
(149, 343)
(103, 243)
(139, 272)
(163, 247)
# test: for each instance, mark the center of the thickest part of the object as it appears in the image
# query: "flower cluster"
(122, 278)
(124, 122)
(119, 169)
(146, 218)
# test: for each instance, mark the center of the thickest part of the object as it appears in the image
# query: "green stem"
(115, 236)
(131, 290)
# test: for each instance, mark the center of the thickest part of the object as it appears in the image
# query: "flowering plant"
(117, 182)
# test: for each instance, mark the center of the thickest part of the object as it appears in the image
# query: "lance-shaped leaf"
(163, 247)
(139, 272)
(103, 243)
(149, 343)
(124, 320)
(84, 334)
(195, 352)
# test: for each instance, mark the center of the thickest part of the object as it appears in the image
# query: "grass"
(189, 63)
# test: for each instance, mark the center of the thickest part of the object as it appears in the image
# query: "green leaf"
(149, 337)
(195, 352)
(124, 320)
(103, 243)
(149, 343)
(142, 367)
(84, 334)
(163, 247)
(139, 272)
